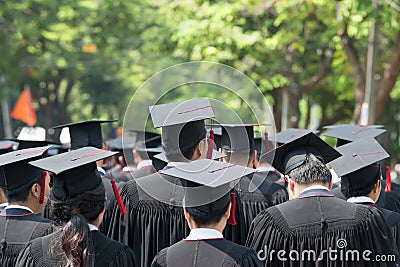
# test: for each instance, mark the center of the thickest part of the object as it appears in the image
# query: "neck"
(301, 187)
(25, 204)
(218, 226)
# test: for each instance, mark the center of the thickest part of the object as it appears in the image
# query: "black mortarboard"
(182, 122)
(208, 183)
(15, 171)
(358, 165)
(348, 133)
(7, 146)
(85, 133)
(124, 146)
(293, 154)
(238, 137)
(24, 144)
(151, 152)
(147, 138)
(76, 171)
(290, 135)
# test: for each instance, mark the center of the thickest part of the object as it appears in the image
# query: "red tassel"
(118, 198)
(266, 143)
(210, 144)
(43, 187)
(388, 187)
(232, 217)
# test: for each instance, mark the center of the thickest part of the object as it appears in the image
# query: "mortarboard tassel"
(232, 217)
(118, 198)
(210, 144)
(42, 187)
(388, 187)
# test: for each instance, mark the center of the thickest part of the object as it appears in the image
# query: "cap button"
(354, 154)
(172, 201)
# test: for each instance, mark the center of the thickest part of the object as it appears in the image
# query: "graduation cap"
(290, 135)
(85, 133)
(182, 122)
(238, 137)
(348, 133)
(208, 184)
(15, 170)
(124, 146)
(76, 172)
(358, 167)
(7, 146)
(341, 125)
(150, 152)
(293, 154)
(147, 138)
(24, 144)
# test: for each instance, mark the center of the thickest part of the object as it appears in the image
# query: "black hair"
(21, 193)
(186, 151)
(312, 170)
(203, 217)
(362, 189)
(75, 243)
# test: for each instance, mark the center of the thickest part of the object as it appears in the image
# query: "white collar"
(144, 163)
(315, 187)
(3, 205)
(92, 227)
(361, 199)
(128, 169)
(204, 233)
(18, 207)
(101, 170)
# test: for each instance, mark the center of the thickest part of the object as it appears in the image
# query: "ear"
(376, 187)
(186, 213)
(330, 184)
(228, 211)
(255, 161)
(291, 184)
(35, 190)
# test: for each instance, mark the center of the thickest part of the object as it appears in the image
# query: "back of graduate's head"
(203, 217)
(78, 198)
(75, 213)
(313, 170)
(185, 142)
(361, 182)
(21, 194)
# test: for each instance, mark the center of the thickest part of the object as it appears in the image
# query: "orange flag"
(23, 109)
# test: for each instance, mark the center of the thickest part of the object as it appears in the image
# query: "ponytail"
(77, 243)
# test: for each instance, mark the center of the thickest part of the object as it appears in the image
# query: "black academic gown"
(317, 221)
(210, 253)
(392, 219)
(107, 252)
(144, 171)
(18, 227)
(255, 193)
(152, 222)
(386, 200)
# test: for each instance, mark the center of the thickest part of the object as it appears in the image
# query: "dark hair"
(21, 193)
(361, 189)
(76, 244)
(239, 157)
(312, 170)
(186, 151)
(203, 217)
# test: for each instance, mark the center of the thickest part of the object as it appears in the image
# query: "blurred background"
(317, 62)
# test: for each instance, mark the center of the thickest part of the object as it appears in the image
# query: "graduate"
(207, 208)
(361, 177)
(78, 202)
(389, 198)
(313, 222)
(88, 133)
(27, 190)
(255, 191)
(148, 144)
(154, 218)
